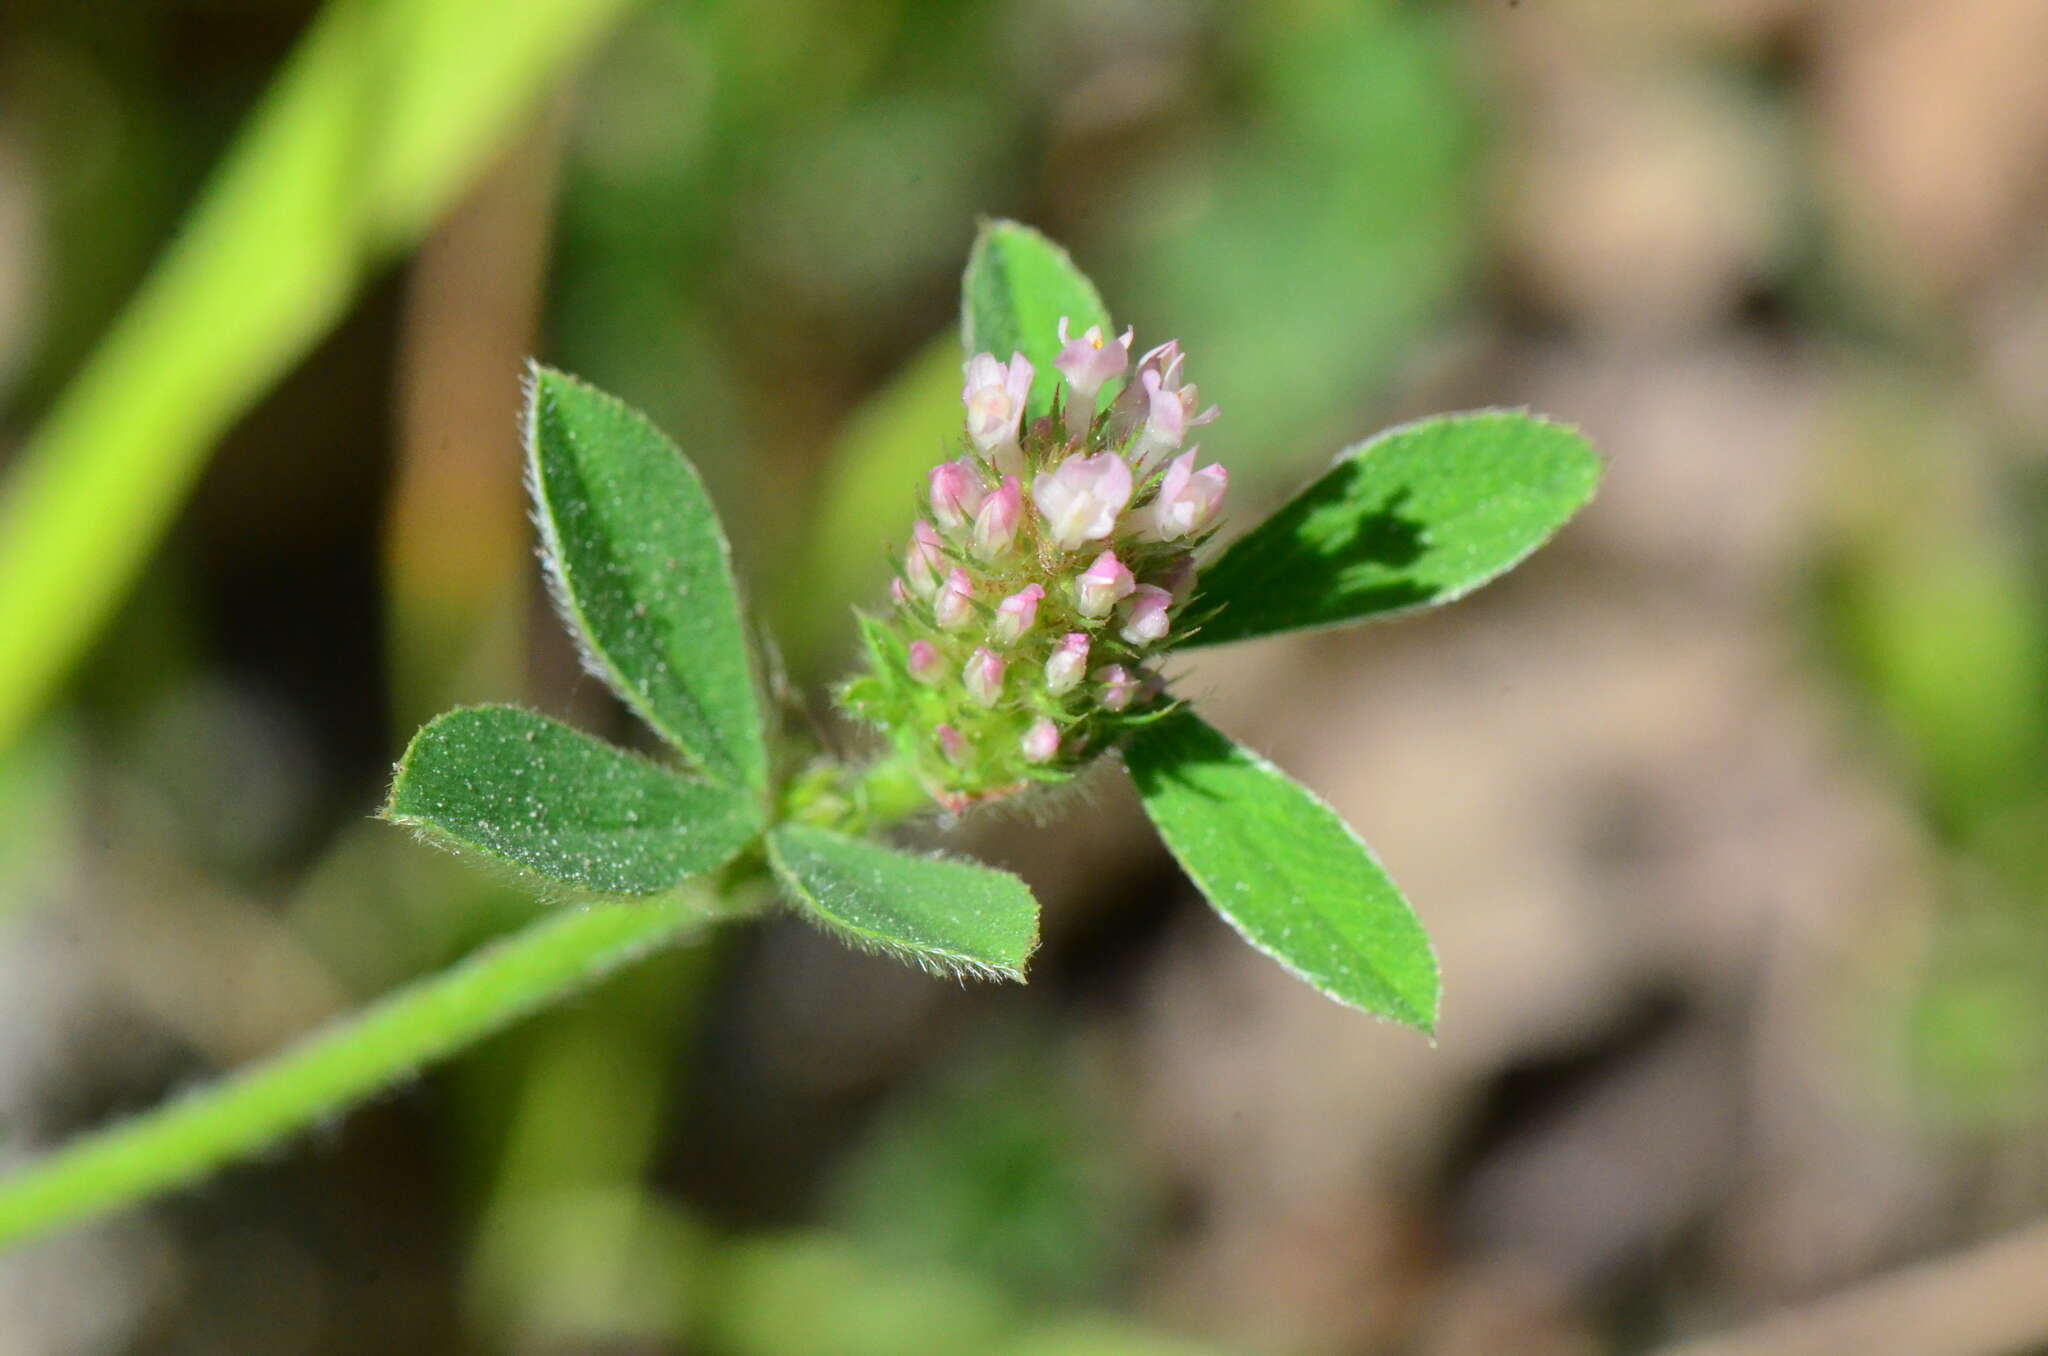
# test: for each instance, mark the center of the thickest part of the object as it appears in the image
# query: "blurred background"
(1729, 811)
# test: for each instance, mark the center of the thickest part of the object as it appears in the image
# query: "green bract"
(641, 572)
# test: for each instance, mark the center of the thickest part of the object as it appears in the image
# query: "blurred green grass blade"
(393, 1040)
(640, 569)
(377, 121)
(1417, 516)
(1284, 870)
(1017, 287)
(949, 916)
(533, 793)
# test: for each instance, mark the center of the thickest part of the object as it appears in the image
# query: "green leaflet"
(949, 916)
(535, 794)
(1018, 285)
(1284, 870)
(1417, 516)
(640, 569)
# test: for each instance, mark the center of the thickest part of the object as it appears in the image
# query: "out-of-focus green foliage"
(1939, 615)
(382, 116)
(1010, 1165)
(1300, 247)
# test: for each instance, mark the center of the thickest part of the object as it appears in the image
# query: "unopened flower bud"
(956, 492)
(1188, 500)
(1119, 685)
(1144, 615)
(952, 744)
(954, 608)
(1081, 498)
(927, 557)
(1103, 585)
(1016, 613)
(1088, 362)
(995, 527)
(924, 661)
(1063, 671)
(984, 676)
(995, 396)
(1041, 742)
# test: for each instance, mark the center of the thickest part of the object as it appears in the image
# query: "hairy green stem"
(179, 1142)
(857, 798)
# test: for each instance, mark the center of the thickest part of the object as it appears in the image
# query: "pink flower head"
(1016, 613)
(1188, 500)
(984, 676)
(1169, 403)
(995, 396)
(1063, 671)
(1088, 362)
(1041, 741)
(1081, 498)
(924, 661)
(1144, 615)
(954, 606)
(1178, 578)
(1103, 585)
(927, 558)
(956, 492)
(995, 526)
(953, 744)
(1118, 686)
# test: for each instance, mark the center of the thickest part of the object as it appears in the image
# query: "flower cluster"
(1055, 563)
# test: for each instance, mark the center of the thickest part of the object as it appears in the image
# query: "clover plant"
(1061, 558)
(1057, 561)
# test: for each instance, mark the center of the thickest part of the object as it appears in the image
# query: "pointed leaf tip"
(639, 567)
(1284, 870)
